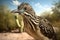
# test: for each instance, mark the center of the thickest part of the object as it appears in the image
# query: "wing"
(47, 29)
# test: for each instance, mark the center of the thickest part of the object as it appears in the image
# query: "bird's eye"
(25, 8)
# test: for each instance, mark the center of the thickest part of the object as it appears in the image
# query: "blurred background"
(49, 9)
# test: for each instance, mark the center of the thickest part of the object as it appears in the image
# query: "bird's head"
(24, 7)
(21, 8)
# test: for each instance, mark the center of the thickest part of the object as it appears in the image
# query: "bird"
(45, 27)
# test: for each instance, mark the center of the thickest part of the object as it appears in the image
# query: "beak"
(18, 11)
(15, 11)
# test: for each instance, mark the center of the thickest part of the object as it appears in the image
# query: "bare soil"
(15, 36)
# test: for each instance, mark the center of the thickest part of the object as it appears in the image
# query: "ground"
(15, 36)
